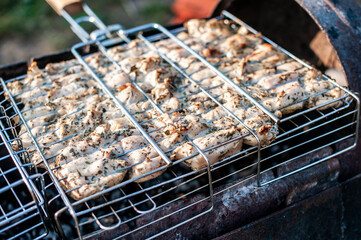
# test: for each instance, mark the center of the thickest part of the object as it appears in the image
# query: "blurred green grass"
(26, 18)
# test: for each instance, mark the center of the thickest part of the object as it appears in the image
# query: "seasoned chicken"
(102, 136)
(262, 51)
(116, 78)
(263, 127)
(205, 143)
(270, 82)
(146, 159)
(91, 145)
(84, 177)
(320, 92)
(197, 27)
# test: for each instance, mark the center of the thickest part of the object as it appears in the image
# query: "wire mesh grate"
(22, 213)
(151, 208)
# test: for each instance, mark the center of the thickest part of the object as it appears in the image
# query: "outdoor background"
(30, 28)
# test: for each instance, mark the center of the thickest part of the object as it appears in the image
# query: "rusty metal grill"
(131, 207)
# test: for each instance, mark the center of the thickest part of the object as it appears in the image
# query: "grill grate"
(22, 208)
(130, 208)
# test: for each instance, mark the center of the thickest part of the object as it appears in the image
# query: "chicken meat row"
(91, 145)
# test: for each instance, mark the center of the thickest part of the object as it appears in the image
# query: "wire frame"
(22, 208)
(152, 208)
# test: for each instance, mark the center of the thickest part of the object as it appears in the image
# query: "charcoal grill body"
(326, 191)
(331, 208)
(257, 209)
(293, 24)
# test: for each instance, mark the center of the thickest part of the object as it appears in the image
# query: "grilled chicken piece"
(227, 94)
(262, 51)
(56, 110)
(41, 91)
(170, 43)
(51, 109)
(100, 64)
(29, 91)
(102, 136)
(64, 67)
(186, 62)
(161, 93)
(149, 64)
(195, 106)
(289, 66)
(52, 143)
(263, 127)
(206, 142)
(81, 118)
(171, 105)
(214, 114)
(129, 63)
(320, 91)
(154, 77)
(195, 67)
(135, 48)
(191, 125)
(244, 113)
(236, 46)
(146, 159)
(236, 103)
(230, 100)
(163, 97)
(69, 127)
(116, 78)
(87, 176)
(270, 82)
(254, 77)
(253, 70)
(324, 98)
(74, 91)
(197, 27)
(254, 119)
(288, 98)
(175, 54)
(128, 94)
(60, 107)
(208, 37)
(117, 145)
(35, 77)
(277, 58)
(203, 74)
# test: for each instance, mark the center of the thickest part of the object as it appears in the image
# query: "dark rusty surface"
(331, 214)
(351, 195)
(242, 204)
(245, 203)
(340, 20)
(317, 218)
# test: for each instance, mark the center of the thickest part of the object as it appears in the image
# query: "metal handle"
(66, 8)
(70, 6)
